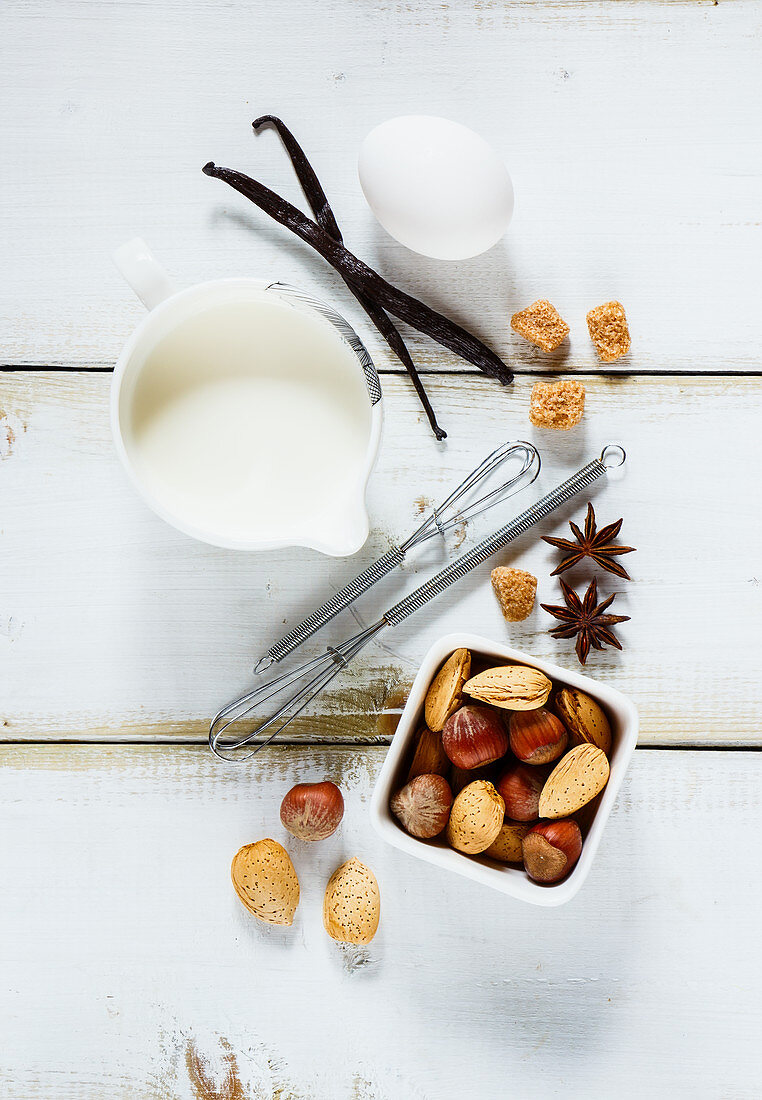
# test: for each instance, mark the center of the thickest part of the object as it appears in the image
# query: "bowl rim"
(512, 881)
(356, 509)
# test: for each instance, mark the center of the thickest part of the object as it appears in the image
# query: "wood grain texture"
(114, 626)
(129, 970)
(128, 962)
(632, 131)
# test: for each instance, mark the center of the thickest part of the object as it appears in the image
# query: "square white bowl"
(508, 879)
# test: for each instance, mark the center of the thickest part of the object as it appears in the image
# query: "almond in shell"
(513, 687)
(506, 847)
(585, 719)
(576, 780)
(476, 817)
(352, 903)
(265, 880)
(444, 695)
(430, 757)
(459, 778)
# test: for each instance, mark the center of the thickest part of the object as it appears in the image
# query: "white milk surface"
(251, 419)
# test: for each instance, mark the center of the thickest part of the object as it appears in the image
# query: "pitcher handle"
(145, 275)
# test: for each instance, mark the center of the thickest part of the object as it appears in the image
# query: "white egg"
(436, 186)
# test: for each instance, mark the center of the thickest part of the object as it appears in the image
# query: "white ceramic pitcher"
(247, 414)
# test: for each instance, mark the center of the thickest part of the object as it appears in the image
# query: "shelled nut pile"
(506, 767)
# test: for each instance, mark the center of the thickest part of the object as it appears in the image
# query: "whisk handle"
(483, 550)
(338, 602)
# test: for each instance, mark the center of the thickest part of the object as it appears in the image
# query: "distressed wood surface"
(115, 626)
(632, 131)
(128, 962)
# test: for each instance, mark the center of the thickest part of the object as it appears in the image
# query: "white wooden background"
(127, 968)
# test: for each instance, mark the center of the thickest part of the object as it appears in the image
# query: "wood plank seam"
(379, 742)
(547, 372)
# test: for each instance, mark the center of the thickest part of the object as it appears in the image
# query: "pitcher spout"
(344, 534)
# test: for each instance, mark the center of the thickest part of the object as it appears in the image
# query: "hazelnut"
(423, 805)
(537, 736)
(551, 849)
(520, 787)
(474, 736)
(312, 811)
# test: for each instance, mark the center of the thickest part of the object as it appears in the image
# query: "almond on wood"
(265, 881)
(352, 904)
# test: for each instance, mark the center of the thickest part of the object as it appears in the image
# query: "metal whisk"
(452, 512)
(309, 679)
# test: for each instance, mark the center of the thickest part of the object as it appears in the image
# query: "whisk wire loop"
(440, 520)
(316, 674)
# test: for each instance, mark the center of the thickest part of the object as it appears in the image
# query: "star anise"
(586, 618)
(595, 544)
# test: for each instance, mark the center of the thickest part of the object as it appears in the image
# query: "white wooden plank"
(125, 954)
(114, 625)
(632, 131)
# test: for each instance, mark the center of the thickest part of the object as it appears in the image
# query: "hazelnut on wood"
(312, 811)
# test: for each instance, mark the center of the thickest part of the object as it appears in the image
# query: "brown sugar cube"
(541, 324)
(515, 590)
(608, 331)
(557, 405)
